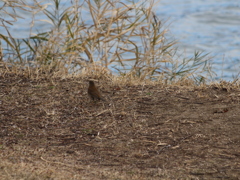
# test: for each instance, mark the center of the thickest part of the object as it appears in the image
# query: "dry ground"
(51, 130)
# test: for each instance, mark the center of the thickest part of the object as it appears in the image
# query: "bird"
(93, 92)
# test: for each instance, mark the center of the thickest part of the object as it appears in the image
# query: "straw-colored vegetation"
(148, 127)
(97, 38)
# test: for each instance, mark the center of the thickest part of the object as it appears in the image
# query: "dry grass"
(117, 38)
(51, 130)
(156, 123)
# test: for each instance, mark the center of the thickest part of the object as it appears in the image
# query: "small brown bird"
(93, 92)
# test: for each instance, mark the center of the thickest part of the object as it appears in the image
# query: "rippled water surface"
(207, 25)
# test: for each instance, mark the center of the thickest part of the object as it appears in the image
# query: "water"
(209, 26)
(206, 25)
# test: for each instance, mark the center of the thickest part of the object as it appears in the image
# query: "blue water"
(206, 25)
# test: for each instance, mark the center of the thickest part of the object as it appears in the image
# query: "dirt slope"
(51, 130)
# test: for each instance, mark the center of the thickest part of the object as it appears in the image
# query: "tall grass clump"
(96, 37)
